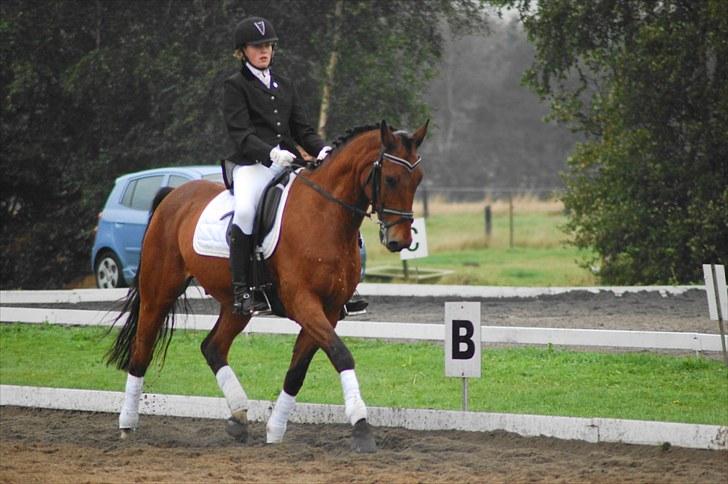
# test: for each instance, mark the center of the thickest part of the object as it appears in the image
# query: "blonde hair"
(238, 54)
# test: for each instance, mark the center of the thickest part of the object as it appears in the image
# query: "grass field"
(543, 381)
(457, 241)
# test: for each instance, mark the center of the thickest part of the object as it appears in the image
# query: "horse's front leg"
(215, 349)
(303, 352)
(320, 330)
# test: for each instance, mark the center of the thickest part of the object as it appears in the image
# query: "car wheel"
(108, 272)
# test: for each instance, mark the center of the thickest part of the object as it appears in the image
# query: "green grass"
(543, 381)
(457, 242)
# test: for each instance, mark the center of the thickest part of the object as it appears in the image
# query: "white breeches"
(249, 181)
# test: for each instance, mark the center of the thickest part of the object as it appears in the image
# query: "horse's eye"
(390, 181)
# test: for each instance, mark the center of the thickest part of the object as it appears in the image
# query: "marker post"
(462, 343)
(715, 287)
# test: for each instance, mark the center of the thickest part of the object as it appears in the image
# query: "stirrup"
(261, 306)
(356, 306)
(243, 302)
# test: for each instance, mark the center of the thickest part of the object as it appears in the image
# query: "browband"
(402, 161)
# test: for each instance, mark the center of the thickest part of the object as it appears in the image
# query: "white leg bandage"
(354, 405)
(232, 389)
(276, 427)
(129, 416)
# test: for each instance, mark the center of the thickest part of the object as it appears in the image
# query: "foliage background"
(94, 89)
(647, 84)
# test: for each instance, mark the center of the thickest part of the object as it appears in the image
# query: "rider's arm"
(237, 119)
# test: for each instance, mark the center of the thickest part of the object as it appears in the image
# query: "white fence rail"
(401, 331)
(365, 289)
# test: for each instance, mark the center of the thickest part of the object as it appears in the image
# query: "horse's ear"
(387, 136)
(419, 135)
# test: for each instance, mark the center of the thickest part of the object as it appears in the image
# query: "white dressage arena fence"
(587, 429)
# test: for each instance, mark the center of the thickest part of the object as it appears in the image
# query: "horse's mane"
(351, 133)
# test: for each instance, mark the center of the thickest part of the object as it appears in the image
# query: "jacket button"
(275, 111)
(278, 135)
(272, 97)
(278, 123)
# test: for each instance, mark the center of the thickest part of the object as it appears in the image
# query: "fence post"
(488, 221)
(510, 215)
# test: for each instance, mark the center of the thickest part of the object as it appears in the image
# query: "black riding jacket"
(259, 118)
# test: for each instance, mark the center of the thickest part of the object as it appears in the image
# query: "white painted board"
(419, 241)
(462, 339)
(710, 291)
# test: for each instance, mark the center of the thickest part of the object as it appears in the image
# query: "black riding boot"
(241, 246)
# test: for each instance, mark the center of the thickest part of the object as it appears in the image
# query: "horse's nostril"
(393, 245)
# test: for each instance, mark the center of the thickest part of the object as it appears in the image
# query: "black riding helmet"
(254, 31)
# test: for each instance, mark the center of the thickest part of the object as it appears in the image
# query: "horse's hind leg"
(303, 352)
(215, 349)
(151, 314)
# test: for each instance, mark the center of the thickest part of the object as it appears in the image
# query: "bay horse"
(315, 269)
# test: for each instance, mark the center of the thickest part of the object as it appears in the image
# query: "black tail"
(120, 353)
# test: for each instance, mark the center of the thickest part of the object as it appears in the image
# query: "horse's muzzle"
(397, 246)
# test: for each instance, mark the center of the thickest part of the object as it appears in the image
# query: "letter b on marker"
(462, 339)
(462, 335)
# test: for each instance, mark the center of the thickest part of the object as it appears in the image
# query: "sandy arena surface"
(59, 446)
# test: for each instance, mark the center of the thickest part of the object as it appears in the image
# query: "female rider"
(262, 109)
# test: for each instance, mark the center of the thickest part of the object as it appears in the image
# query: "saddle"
(266, 297)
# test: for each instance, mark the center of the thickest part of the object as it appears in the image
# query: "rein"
(375, 177)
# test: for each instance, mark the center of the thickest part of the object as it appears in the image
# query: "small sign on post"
(418, 248)
(715, 287)
(462, 342)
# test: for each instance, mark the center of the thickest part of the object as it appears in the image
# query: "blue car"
(121, 226)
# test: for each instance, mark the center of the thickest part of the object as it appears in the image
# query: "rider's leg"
(249, 182)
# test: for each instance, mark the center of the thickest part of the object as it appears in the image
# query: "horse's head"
(392, 183)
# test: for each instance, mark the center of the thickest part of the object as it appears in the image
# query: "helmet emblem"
(260, 26)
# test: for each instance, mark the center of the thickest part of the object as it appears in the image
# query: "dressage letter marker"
(715, 287)
(418, 249)
(462, 342)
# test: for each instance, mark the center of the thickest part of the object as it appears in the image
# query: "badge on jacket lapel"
(275, 84)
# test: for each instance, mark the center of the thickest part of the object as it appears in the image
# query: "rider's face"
(259, 55)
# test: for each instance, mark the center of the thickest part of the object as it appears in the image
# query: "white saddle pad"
(210, 232)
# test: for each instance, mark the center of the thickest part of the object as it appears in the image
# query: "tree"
(645, 82)
(113, 87)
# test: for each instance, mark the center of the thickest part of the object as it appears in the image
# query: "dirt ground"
(61, 446)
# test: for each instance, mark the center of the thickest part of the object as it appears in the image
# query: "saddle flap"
(265, 215)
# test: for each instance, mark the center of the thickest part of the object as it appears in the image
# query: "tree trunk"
(330, 71)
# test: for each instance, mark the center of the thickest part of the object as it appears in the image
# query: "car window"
(177, 180)
(214, 177)
(140, 192)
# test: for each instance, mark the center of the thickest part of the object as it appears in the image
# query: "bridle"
(375, 178)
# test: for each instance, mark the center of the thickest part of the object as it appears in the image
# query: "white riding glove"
(281, 158)
(323, 153)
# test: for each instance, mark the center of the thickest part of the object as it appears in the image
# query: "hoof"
(237, 430)
(125, 433)
(362, 438)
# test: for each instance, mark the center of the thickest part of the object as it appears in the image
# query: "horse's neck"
(341, 176)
